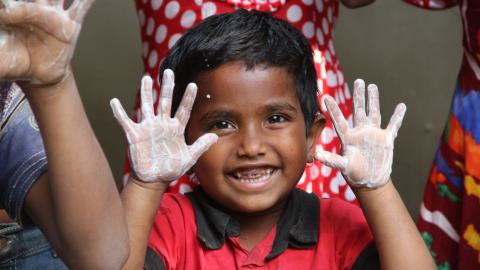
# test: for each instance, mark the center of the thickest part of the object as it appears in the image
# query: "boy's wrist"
(157, 186)
(47, 91)
(370, 194)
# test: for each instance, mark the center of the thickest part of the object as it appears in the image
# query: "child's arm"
(76, 203)
(366, 165)
(158, 154)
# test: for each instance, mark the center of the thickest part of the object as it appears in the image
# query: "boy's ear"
(317, 127)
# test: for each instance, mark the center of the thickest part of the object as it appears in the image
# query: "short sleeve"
(349, 228)
(22, 156)
(168, 233)
(433, 4)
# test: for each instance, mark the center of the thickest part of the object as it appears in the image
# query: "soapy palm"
(38, 38)
(367, 155)
(157, 147)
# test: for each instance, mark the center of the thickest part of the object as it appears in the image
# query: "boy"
(75, 202)
(257, 114)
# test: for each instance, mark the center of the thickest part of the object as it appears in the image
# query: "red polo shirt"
(191, 232)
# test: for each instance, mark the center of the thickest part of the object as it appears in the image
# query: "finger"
(397, 118)
(166, 92)
(79, 9)
(374, 106)
(50, 20)
(183, 111)
(331, 160)
(123, 119)
(339, 122)
(201, 145)
(146, 98)
(359, 114)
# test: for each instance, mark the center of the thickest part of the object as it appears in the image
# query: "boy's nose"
(252, 144)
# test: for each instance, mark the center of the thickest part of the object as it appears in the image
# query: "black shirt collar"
(297, 227)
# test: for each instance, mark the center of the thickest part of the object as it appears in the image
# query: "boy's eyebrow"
(280, 106)
(216, 115)
(269, 108)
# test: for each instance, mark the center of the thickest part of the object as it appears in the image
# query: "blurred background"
(411, 54)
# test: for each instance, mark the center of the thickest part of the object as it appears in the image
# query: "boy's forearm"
(85, 203)
(398, 241)
(141, 201)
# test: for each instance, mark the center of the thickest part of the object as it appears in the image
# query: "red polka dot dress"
(163, 22)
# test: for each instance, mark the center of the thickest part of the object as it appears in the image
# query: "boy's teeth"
(252, 176)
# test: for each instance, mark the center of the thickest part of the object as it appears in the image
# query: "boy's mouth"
(252, 175)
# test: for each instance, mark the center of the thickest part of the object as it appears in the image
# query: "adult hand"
(367, 149)
(157, 147)
(38, 38)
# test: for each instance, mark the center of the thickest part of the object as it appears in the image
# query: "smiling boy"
(251, 132)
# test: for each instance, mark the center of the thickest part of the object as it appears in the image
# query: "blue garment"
(26, 249)
(22, 162)
(22, 155)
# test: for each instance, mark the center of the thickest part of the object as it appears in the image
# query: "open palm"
(367, 154)
(157, 147)
(38, 38)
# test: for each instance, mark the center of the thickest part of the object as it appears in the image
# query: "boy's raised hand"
(157, 147)
(366, 161)
(38, 38)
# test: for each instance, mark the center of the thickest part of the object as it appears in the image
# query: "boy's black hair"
(256, 38)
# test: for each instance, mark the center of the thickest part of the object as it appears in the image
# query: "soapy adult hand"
(367, 149)
(38, 38)
(157, 147)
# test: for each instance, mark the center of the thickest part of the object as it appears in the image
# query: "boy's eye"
(276, 118)
(222, 124)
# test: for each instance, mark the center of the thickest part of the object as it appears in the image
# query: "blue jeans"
(26, 249)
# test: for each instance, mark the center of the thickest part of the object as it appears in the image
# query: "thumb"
(123, 119)
(331, 160)
(201, 145)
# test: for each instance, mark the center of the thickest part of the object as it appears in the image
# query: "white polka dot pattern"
(141, 17)
(145, 49)
(308, 29)
(172, 9)
(327, 135)
(319, 5)
(156, 4)
(174, 39)
(294, 13)
(152, 59)
(163, 22)
(208, 9)
(320, 38)
(188, 19)
(161, 34)
(150, 26)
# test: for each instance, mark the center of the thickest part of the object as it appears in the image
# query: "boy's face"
(262, 147)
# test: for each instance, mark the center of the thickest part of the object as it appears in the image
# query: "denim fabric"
(22, 155)
(26, 249)
(5, 96)
(10, 95)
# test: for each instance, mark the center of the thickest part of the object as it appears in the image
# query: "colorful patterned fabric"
(163, 23)
(450, 212)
